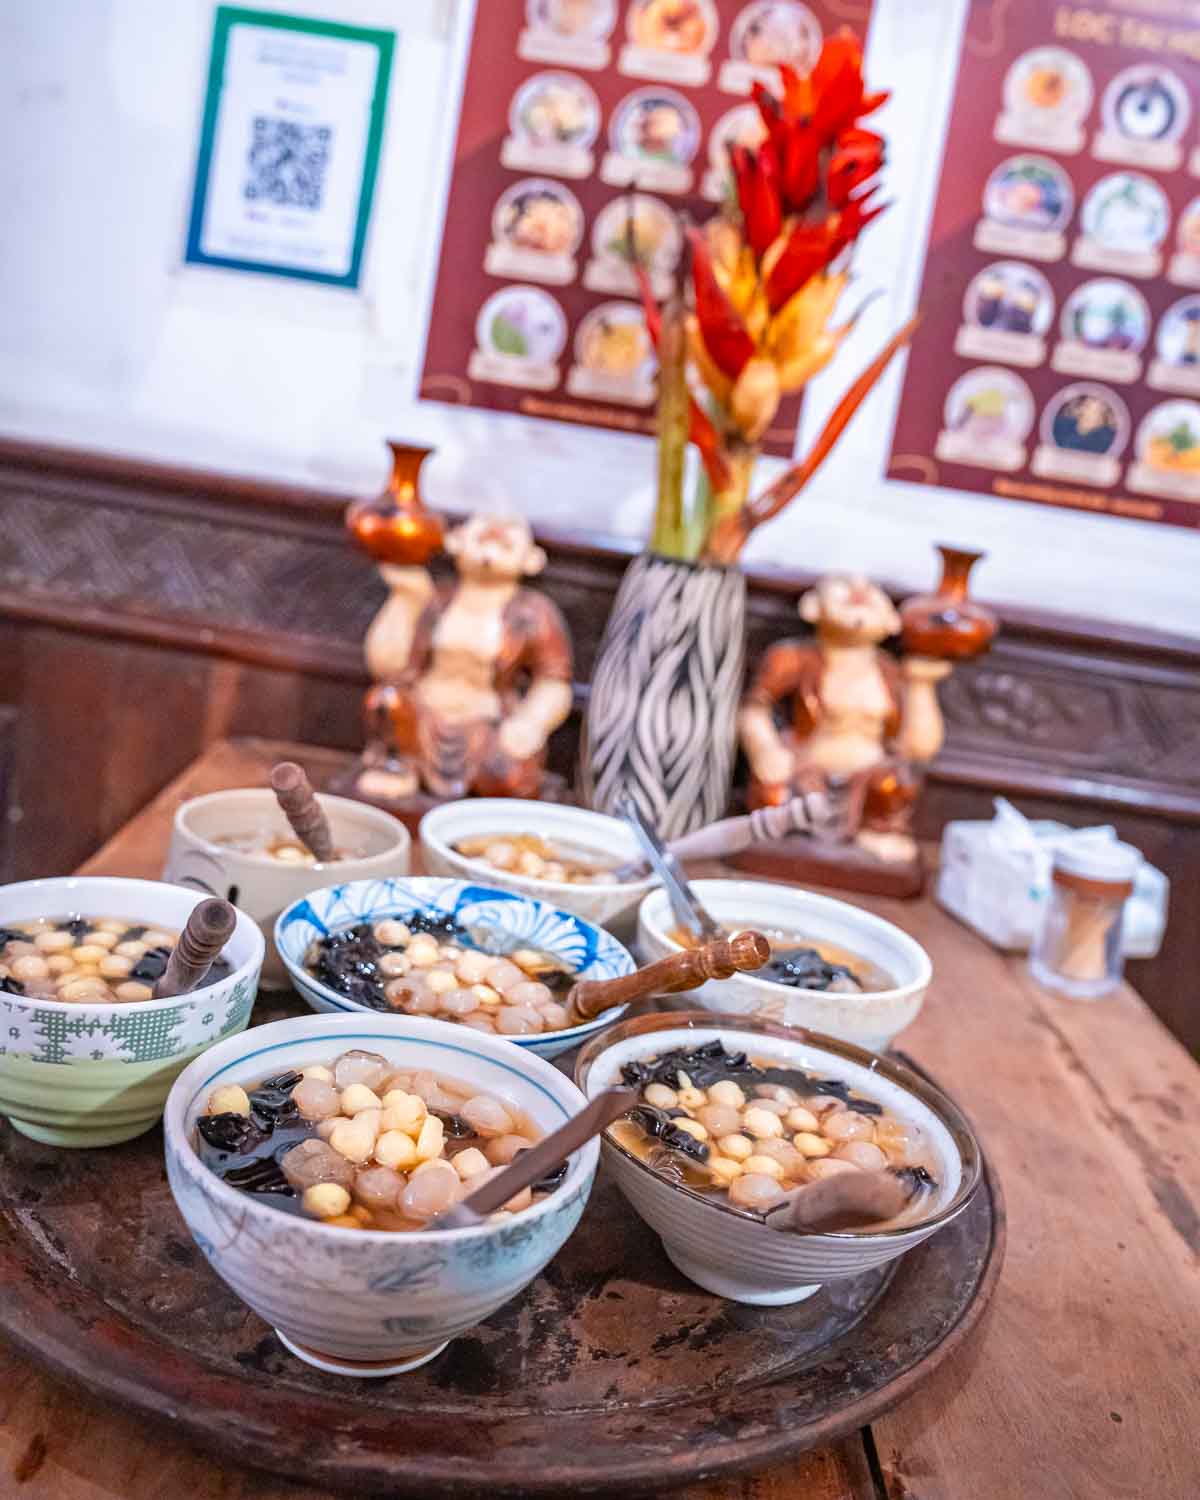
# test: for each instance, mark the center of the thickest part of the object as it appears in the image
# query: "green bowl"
(95, 1075)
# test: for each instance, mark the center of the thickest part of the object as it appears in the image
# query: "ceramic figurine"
(471, 694)
(859, 724)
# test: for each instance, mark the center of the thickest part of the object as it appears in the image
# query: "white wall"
(108, 341)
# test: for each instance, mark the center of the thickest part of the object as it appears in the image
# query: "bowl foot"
(362, 1369)
(83, 1136)
(734, 1289)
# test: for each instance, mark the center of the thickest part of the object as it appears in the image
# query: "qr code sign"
(287, 162)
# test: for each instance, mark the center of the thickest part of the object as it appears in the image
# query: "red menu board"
(1059, 357)
(583, 121)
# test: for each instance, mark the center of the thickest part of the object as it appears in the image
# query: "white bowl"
(872, 1021)
(369, 1302)
(735, 1254)
(508, 920)
(263, 886)
(92, 1075)
(611, 904)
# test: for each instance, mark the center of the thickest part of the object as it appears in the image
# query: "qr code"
(287, 162)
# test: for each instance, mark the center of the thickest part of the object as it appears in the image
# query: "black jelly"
(805, 969)
(245, 1150)
(271, 1103)
(658, 1123)
(151, 966)
(710, 1063)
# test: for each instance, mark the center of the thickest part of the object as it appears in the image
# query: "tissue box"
(995, 877)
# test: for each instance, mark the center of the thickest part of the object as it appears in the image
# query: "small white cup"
(262, 886)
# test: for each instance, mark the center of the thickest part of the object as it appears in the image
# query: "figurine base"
(846, 867)
(394, 794)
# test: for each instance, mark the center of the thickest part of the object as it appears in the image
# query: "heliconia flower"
(755, 397)
(725, 335)
(801, 168)
(803, 319)
(838, 93)
(857, 157)
(806, 250)
(764, 218)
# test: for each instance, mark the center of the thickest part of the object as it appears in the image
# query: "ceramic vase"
(662, 716)
(948, 625)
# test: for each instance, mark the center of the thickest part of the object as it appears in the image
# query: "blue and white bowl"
(498, 920)
(369, 1302)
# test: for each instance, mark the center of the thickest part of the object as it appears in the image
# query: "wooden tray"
(609, 1373)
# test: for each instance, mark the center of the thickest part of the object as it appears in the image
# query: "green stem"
(670, 522)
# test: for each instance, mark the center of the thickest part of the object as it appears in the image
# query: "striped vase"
(661, 718)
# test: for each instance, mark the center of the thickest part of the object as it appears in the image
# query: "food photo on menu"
(600, 758)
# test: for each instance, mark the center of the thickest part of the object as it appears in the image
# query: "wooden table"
(1082, 1381)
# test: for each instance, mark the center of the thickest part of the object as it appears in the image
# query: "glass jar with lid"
(1078, 950)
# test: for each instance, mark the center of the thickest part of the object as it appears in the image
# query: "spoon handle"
(528, 1166)
(295, 795)
(806, 814)
(207, 931)
(687, 970)
(813, 813)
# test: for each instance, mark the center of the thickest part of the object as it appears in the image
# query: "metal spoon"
(686, 905)
(527, 1167)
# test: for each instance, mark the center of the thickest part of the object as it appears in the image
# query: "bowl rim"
(427, 833)
(378, 815)
(924, 963)
(79, 1007)
(966, 1142)
(302, 978)
(176, 1137)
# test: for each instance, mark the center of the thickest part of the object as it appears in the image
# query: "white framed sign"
(289, 146)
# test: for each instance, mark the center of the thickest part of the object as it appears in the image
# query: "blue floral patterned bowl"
(369, 1302)
(498, 921)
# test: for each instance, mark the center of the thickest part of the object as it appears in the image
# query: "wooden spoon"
(207, 931)
(678, 971)
(296, 797)
(527, 1167)
(849, 1200)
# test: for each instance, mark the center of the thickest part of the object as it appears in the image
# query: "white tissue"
(995, 877)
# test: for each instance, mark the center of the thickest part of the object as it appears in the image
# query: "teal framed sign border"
(228, 16)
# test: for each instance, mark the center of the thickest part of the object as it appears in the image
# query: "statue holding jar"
(470, 680)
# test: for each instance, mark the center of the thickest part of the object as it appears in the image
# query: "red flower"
(837, 86)
(809, 248)
(725, 335)
(811, 178)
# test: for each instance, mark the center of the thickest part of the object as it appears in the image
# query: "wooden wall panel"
(145, 612)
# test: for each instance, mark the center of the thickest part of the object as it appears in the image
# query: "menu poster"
(584, 121)
(1059, 356)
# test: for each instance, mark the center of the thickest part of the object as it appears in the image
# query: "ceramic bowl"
(611, 904)
(264, 886)
(368, 1302)
(92, 1075)
(732, 1253)
(871, 1021)
(499, 919)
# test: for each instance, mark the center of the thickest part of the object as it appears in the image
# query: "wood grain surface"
(1080, 1383)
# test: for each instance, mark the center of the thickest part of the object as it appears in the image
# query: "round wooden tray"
(610, 1372)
